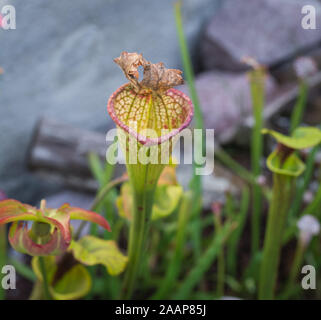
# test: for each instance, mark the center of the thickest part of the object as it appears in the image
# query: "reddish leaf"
(20, 240)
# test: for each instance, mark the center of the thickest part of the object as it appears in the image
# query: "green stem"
(44, 278)
(228, 161)
(100, 198)
(220, 274)
(22, 269)
(143, 202)
(175, 263)
(315, 206)
(256, 219)
(220, 261)
(281, 198)
(236, 235)
(295, 268)
(241, 171)
(203, 264)
(297, 202)
(196, 182)
(199, 122)
(143, 179)
(37, 292)
(299, 107)
(299, 252)
(257, 91)
(105, 190)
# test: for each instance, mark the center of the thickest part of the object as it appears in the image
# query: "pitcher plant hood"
(58, 237)
(150, 104)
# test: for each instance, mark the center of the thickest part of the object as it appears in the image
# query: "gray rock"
(225, 100)
(58, 63)
(268, 30)
(2, 196)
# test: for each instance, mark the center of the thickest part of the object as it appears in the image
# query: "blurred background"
(57, 73)
(58, 66)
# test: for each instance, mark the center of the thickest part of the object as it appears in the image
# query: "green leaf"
(303, 137)
(166, 200)
(74, 284)
(292, 166)
(125, 201)
(22, 269)
(96, 167)
(50, 266)
(102, 175)
(90, 250)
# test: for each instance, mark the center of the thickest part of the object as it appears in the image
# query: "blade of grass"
(199, 123)
(257, 77)
(251, 273)
(96, 168)
(229, 162)
(308, 173)
(236, 234)
(294, 271)
(242, 172)
(98, 173)
(23, 269)
(196, 183)
(298, 110)
(220, 259)
(195, 276)
(175, 262)
(45, 282)
(230, 206)
(314, 207)
(99, 198)
(103, 176)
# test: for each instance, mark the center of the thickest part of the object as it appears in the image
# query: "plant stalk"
(44, 278)
(203, 264)
(175, 263)
(283, 186)
(298, 110)
(257, 77)
(308, 174)
(220, 261)
(234, 240)
(315, 206)
(143, 202)
(196, 181)
(99, 199)
(295, 268)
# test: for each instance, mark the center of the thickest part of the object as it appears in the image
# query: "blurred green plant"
(257, 82)
(298, 109)
(286, 166)
(50, 235)
(196, 181)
